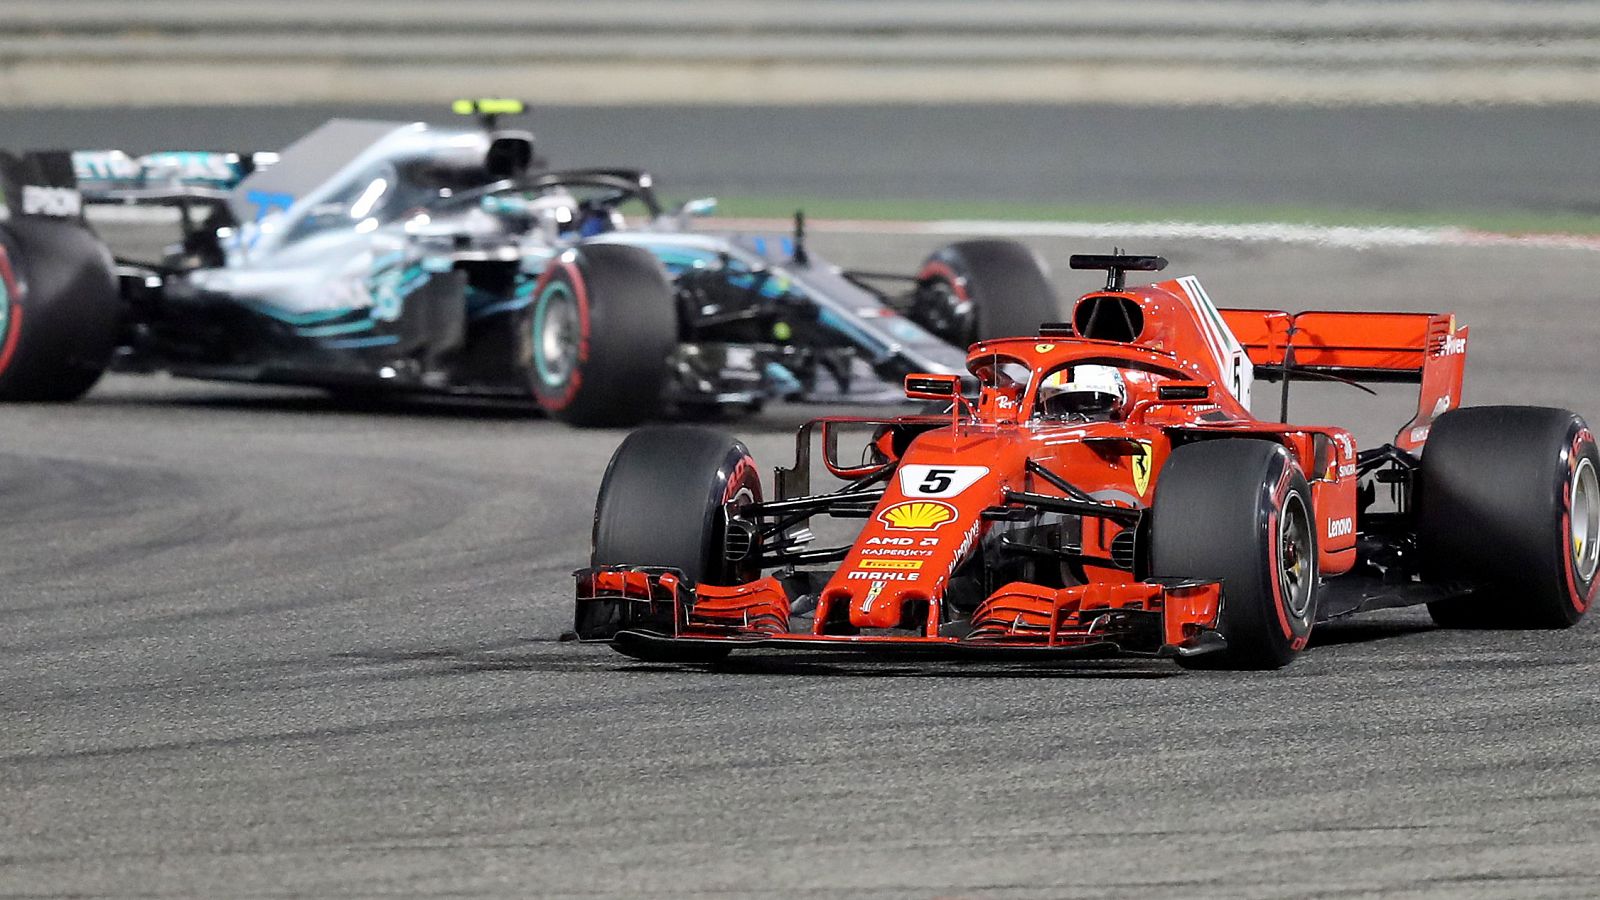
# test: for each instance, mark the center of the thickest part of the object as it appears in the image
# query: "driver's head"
(594, 218)
(1085, 392)
(554, 209)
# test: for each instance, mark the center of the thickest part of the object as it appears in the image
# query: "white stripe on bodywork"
(1225, 348)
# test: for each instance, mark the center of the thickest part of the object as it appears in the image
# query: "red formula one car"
(1108, 493)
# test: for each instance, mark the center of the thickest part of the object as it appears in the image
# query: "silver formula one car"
(383, 255)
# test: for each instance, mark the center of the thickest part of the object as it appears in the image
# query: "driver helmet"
(554, 209)
(594, 219)
(1087, 391)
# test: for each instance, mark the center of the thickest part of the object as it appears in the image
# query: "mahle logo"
(917, 515)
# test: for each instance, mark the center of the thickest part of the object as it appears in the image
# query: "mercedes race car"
(384, 255)
(1107, 492)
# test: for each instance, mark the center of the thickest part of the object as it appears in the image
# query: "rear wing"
(165, 178)
(1426, 349)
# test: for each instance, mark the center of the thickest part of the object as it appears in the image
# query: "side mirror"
(505, 205)
(860, 438)
(1184, 392)
(698, 207)
(922, 386)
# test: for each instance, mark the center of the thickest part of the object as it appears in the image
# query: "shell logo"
(917, 515)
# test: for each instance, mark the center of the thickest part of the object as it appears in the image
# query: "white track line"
(1352, 237)
(1341, 236)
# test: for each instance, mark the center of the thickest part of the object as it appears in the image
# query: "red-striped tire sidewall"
(569, 275)
(1579, 593)
(11, 325)
(1295, 630)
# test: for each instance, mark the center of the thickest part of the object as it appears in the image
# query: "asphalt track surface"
(1393, 159)
(256, 643)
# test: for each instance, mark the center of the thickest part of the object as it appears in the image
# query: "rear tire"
(1509, 500)
(664, 501)
(57, 336)
(974, 291)
(597, 336)
(1239, 511)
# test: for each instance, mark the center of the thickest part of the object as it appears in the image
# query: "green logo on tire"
(5, 311)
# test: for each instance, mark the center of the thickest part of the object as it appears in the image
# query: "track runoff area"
(259, 643)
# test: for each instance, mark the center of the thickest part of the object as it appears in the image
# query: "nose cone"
(903, 556)
(926, 525)
(876, 608)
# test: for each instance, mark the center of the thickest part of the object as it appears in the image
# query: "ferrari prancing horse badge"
(1139, 464)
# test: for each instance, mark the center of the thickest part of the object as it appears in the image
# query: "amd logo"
(50, 201)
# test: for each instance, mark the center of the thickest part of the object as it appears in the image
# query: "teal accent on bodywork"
(298, 319)
(677, 261)
(782, 379)
(481, 303)
(382, 340)
(334, 330)
(388, 288)
(193, 168)
(678, 258)
(830, 319)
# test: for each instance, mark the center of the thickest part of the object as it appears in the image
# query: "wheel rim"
(555, 335)
(737, 497)
(942, 310)
(1296, 565)
(1584, 516)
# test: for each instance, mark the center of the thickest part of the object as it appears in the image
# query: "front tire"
(664, 501)
(597, 336)
(1239, 511)
(1509, 500)
(972, 291)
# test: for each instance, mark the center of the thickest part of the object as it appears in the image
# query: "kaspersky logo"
(917, 515)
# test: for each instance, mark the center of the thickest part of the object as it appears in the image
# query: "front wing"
(644, 610)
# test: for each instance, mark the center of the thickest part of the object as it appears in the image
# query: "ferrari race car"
(1107, 492)
(384, 255)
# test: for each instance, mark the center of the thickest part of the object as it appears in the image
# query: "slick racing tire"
(665, 500)
(974, 291)
(1509, 502)
(597, 336)
(1239, 511)
(60, 312)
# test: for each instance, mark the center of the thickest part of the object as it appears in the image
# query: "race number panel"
(1232, 361)
(939, 481)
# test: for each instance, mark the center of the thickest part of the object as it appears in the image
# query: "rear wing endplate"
(38, 186)
(1425, 349)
